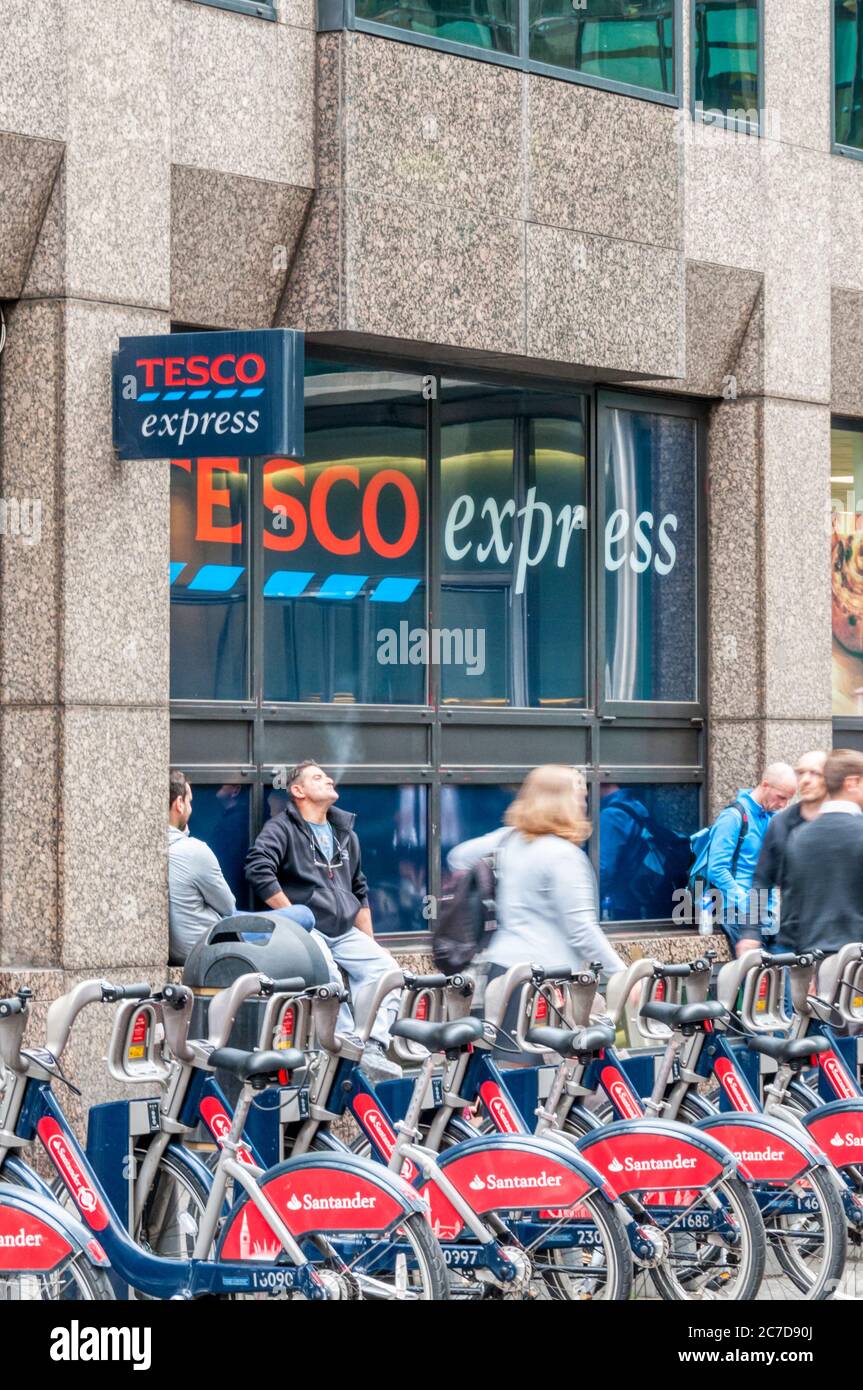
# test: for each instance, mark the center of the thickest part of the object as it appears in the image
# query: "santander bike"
(793, 1180)
(284, 1235)
(680, 1184)
(169, 1206)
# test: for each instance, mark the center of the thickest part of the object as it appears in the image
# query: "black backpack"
(467, 916)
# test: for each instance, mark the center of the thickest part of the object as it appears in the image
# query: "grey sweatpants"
(364, 962)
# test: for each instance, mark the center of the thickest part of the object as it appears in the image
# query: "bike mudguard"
(837, 1128)
(766, 1149)
(510, 1172)
(655, 1155)
(37, 1234)
(330, 1193)
(16, 1171)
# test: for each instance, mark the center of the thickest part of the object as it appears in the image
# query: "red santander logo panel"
(27, 1243)
(68, 1166)
(648, 1161)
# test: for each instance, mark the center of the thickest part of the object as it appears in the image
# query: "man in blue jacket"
(735, 845)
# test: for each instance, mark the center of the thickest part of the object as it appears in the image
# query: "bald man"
(735, 846)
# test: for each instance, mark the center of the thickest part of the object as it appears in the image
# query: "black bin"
(283, 950)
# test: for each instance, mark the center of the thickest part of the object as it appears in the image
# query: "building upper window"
(726, 67)
(606, 43)
(848, 73)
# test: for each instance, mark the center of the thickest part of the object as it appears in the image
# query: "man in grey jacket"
(198, 895)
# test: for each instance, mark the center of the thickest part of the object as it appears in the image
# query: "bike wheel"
(404, 1266)
(807, 1246)
(700, 1264)
(75, 1280)
(72, 1279)
(599, 1270)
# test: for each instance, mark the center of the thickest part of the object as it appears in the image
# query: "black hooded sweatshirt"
(286, 858)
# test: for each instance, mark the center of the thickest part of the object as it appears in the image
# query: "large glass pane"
(466, 812)
(391, 823)
(630, 41)
(649, 548)
(644, 849)
(846, 570)
(344, 545)
(514, 519)
(848, 72)
(490, 24)
(220, 817)
(726, 59)
(209, 499)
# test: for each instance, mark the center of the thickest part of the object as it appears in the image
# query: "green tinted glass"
(490, 24)
(630, 41)
(848, 72)
(726, 57)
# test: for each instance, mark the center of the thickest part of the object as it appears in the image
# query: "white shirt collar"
(847, 807)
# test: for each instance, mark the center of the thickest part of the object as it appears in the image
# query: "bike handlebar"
(428, 981)
(673, 972)
(111, 994)
(12, 1006)
(560, 972)
(295, 984)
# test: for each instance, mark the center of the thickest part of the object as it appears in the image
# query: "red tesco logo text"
(224, 370)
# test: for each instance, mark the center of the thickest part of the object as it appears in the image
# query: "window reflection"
(726, 58)
(344, 544)
(467, 812)
(631, 43)
(487, 24)
(209, 579)
(391, 825)
(848, 72)
(649, 557)
(220, 817)
(644, 852)
(514, 546)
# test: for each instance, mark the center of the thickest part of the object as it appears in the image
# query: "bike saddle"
(247, 1066)
(683, 1015)
(571, 1042)
(788, 1049)
(439, 1037)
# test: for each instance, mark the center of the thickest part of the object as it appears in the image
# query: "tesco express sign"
(385, 513)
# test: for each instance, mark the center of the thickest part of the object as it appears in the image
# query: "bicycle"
(281, 1233)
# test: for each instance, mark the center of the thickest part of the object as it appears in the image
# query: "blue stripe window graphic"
(219, 579)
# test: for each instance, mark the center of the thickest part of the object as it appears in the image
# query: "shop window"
(848, 73)
(209, 579)
(220, 817)
(391, 825)
(630, 44)
(514, 548)
(726, 85)
(648, 463)
(467, 812)
(644, 852)
(344, 546)
(846, 571)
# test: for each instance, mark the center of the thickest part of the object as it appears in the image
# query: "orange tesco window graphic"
(300, 507)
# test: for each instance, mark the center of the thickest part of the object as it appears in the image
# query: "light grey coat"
(546, 901)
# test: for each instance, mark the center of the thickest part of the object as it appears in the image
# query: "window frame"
(734, 124)
(335, 15)
(847, 151)
(257, 9)
(595, 729)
